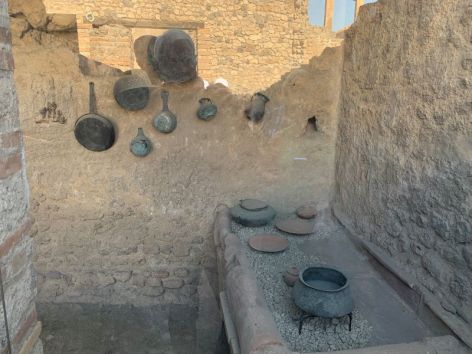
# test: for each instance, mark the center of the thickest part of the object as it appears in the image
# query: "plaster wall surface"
(404, 149)
(250, 43)
(15, 225)
(113, 228)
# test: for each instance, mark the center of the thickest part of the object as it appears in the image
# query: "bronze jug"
(256, 110)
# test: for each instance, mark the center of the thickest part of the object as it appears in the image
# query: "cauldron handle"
(92, 98)
(165, 100)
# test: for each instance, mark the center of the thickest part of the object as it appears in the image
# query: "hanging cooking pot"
(256, 111)
(93, 131)
(173, 56)
(207, 109)
(132, 91)
(165, 121)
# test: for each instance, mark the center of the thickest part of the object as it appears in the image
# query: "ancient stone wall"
(249, 43)
(15, 224)
(113, 228)
(404, 150)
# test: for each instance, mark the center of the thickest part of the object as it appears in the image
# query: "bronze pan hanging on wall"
(93, 131)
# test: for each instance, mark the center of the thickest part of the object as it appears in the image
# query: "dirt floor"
(96, 329)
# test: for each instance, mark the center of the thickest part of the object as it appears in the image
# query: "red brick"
(160, 274)
(28, 323)
(16, 237)
(10, 140)
(6, 60)
(10, 165)
(5, 36)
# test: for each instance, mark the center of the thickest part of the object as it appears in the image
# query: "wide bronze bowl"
(323, 292)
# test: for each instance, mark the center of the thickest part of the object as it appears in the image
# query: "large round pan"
(93, 131)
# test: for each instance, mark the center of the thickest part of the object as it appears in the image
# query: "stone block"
(105, 279)
(189, 290)
(465, 312)
(467, 64)
(436, 266)
(122, 276)
(448, 306)
(153, 291)
(181, 272)
(172, 283)
(153, 281)
(451, 255)
(138, 280)
(427, 239)
(463, 231)
(467, 253)
(181, 249)
(461, 286)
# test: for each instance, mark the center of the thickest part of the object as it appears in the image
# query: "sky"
(343, 12)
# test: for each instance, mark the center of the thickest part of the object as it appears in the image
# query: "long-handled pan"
(93, 131)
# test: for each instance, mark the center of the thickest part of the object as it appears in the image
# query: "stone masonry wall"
(15, 224)
(250, 43)
(404, 150)
(113, 228)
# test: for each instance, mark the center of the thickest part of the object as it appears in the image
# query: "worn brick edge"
(255, 327)
(15, 238)
(27, 331)
(32, 340)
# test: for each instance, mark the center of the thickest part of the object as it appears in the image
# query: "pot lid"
(296, 226)
(268, 243)
(307, 211)
(253, 204)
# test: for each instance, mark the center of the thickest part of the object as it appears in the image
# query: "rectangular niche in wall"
(344, 14)
(316, 12)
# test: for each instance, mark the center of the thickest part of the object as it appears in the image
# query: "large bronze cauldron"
(173, 56)
(323, 292)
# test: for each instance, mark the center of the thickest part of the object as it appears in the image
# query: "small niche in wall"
(311, 125)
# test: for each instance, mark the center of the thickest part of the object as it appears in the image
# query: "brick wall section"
(403, 179)
(249, 43)
(15, 225)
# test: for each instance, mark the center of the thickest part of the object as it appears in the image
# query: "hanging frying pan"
(92, 131)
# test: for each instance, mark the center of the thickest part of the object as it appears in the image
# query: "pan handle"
(92, 98)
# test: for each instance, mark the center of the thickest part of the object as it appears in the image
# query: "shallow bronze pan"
(93, 131)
